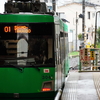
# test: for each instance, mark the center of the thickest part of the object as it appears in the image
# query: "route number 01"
(7, 29)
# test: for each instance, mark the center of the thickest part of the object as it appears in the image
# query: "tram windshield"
(26, 44)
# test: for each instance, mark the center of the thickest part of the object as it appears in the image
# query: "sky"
(2, 5)
(60, 1)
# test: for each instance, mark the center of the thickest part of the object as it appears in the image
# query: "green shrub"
(80, 36)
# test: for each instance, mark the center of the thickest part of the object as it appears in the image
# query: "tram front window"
(24, 48)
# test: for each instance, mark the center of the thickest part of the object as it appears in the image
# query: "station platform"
(82, 86)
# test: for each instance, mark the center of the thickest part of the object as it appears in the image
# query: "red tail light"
(46, 89)
(47, 86)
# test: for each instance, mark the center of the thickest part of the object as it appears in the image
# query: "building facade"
(72, 12)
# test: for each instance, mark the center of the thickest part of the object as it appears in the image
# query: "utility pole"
(54, 5)
(83, 22)
(83, 19)
(76, 29)
(96, 28)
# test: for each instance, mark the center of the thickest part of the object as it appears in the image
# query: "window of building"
(50, 7)
(46, 1)
(88, 15)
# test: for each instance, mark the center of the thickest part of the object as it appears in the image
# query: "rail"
(57, 97)
(58, 94)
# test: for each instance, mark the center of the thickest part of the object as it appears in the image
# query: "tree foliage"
(98, 35)
(79, 36)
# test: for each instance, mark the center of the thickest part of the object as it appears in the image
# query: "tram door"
(62, 54)
(58, 76)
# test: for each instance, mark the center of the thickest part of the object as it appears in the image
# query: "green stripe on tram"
(27, 18)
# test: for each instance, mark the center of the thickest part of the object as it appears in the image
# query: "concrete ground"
(80, 86)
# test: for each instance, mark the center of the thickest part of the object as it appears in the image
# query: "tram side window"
(62, 46)
(66, 44)
(56, 56)
(50, 51)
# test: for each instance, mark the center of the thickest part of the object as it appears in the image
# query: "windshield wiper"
(40, 65)
(34, 66)
(20, 67)
(31, 64)
(10, 65)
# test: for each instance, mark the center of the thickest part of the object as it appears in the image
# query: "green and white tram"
(33, 54)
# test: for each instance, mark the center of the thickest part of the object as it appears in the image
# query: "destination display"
(17, 29)
(12, 30)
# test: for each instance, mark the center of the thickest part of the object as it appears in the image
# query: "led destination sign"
(17, 29)
(12, 30)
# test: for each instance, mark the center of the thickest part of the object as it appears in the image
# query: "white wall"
(70, 12)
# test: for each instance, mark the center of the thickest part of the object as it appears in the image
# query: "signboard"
(87, 46)
(90, 58)
(85, 57)
(92, 55)
(81, 54)
(86, 63)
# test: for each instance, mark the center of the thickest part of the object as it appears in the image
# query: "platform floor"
(82, 86)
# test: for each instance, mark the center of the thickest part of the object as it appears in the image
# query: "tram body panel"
(33, 65)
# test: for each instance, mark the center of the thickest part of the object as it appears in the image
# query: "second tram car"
(33, 56)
